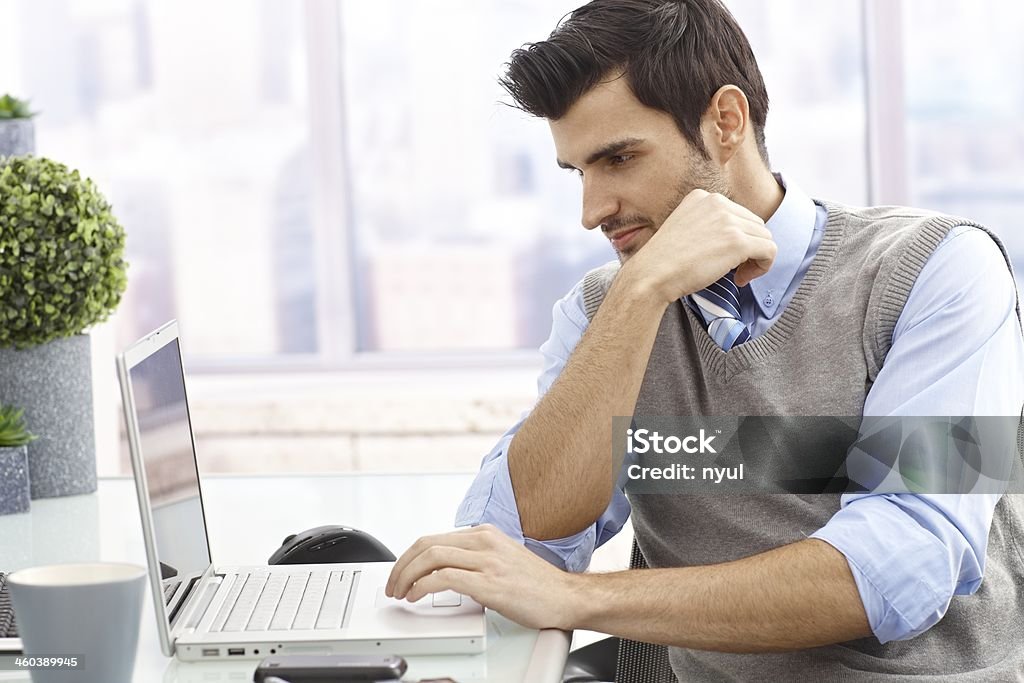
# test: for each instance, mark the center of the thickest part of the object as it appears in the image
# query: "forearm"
(561, 462)
(797, 596)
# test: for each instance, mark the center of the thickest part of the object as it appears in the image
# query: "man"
(659, 107)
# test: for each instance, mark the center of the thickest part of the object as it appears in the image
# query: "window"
(964, 103)
(302, 183)
(192, 118)
(466, 230)
(322, 186)
(812, 57)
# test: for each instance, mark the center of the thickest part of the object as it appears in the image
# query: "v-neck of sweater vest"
(755, 350)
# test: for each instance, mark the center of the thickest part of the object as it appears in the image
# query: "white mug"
(78, 622)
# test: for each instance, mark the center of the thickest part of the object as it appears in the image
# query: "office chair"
(619, 659)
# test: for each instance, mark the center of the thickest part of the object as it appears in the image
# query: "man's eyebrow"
(609, 150)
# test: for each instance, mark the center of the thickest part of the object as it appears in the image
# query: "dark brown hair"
(675, 55)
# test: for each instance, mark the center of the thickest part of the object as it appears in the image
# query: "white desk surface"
(247, 518)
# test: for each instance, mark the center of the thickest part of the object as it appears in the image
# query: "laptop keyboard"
(169, 591)
(256, 601)
(259, 600)
(8, 629)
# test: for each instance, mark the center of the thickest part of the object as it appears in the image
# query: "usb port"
(211, 652)
(236, 650)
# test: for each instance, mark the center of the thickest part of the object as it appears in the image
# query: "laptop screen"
(165, 443)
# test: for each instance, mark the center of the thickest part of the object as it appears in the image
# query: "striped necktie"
(719, 305)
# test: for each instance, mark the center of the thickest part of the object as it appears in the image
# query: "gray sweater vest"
(820, 357)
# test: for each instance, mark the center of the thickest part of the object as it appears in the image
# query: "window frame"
(334, 234)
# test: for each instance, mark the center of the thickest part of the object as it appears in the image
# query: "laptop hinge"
(187, 596)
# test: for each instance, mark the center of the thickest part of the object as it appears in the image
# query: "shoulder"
(968, 270)
(895, 250)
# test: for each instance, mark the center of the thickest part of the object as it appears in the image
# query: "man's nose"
(599, 204)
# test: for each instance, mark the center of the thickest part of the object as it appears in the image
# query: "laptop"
(207, 612)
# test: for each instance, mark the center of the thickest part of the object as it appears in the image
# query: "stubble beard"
(706, 177)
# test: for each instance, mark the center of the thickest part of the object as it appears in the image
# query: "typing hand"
(489, 567)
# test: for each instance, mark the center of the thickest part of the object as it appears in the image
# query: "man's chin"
(630, 251)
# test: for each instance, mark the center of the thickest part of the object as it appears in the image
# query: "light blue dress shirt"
(956, 350)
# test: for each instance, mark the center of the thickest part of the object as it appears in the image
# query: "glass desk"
(247, 518)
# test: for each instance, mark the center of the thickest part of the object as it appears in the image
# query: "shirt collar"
(792, 226)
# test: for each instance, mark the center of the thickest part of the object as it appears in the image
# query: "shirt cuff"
(496, 505)
(903, 572)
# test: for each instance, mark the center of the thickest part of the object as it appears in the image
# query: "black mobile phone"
(323, 668)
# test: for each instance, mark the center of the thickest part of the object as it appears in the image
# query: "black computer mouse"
(330, 544)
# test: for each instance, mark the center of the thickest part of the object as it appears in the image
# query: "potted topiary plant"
(14, 482)
(17, 134)
(61, 271)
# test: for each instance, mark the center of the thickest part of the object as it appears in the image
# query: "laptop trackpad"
(434, 604)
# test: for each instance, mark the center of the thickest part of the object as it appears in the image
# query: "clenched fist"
(704, 238)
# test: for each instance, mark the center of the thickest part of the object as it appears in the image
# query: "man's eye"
(619, 159)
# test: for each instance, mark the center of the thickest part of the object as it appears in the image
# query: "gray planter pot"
(53, 383)
(13, 480)
(17, 136)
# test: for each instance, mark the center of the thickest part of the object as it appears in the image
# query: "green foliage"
(12, 428)
(13, 108)
(61, 253)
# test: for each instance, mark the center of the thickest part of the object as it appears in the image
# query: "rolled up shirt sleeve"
(957, 350)
(491, 499)
(910, 554)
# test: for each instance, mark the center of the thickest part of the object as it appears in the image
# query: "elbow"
(550, 510)
(556, 527)
(923, 611)
(553, 519)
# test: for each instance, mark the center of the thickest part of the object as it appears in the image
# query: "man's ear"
(726, 123)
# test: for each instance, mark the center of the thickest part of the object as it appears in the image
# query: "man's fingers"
(755, 228)
(459, 580)
(722, 202)
(760, 254)
(763, 251)
(469, 538)
(744, 212)
(433, 559)
(747, 272)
